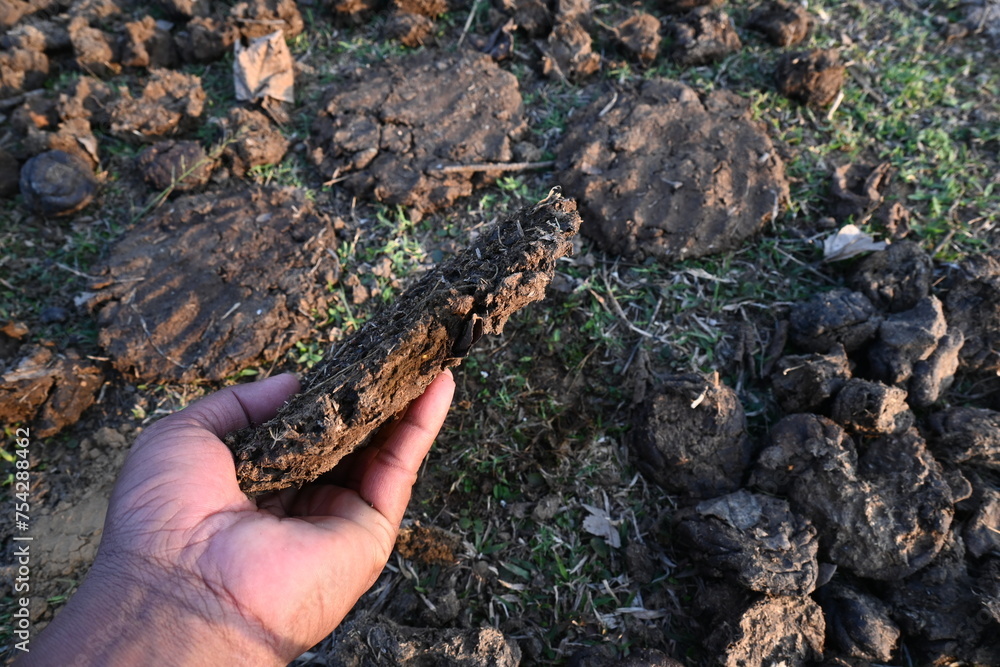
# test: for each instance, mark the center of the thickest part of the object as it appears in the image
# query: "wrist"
(122, 618)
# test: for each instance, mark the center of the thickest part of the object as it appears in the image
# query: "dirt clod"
(408, 28)
(57, 183)
(397, 129)
(858, 624)
(640, 36)
(683, 6)
(532, 16)
(906, 338)
(856, 190)
(146, 44)
(206, 39)
(896, 278)
(973, 307)
(813, 78)
(176, 165)
(96, 51)
(255, 141)
(213, 283)
(882, 513)
(691, 438)
(568, 53)
(754, 540)
(257, 18)
(932, 377)
(376, 641)
(703, 36)
(369, 377)
(948, 611)
(21, 70)
(967, 435)
(871, 407)
(783, 23)
(781, 630)
(839, 316)
(428, 545)
(803, 383)
(669, 175)
(47, 390)
(87, 98)
(170, 101)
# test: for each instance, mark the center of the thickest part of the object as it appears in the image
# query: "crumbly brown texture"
(370, 377)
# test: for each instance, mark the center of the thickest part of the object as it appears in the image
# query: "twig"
(468, 22)
(485, 166)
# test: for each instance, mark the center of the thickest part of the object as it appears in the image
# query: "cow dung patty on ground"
(667, 174)
(212, 283)
(405, 130)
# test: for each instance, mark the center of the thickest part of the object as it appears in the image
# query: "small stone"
(56, 183)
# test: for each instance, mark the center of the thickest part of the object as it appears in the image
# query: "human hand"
(191, 571)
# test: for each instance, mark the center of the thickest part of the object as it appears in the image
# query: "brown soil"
(370, 377)
(428, 545)
(214, 282)
(663, 138)
(398, 129)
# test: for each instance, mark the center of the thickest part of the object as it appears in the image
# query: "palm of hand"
(289, 565)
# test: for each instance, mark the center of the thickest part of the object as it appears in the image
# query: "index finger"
(392, 469)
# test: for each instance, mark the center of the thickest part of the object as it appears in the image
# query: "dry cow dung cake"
(214, 282)
(368, 378)
(406, 131)
(664, 173)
